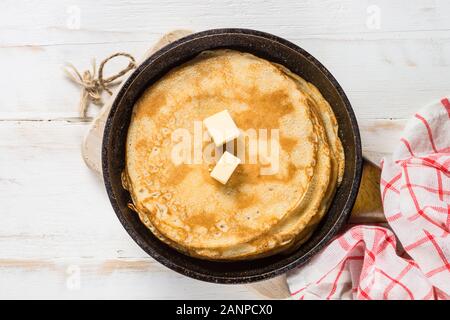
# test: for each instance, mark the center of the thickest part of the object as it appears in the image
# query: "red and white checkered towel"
(411, 258)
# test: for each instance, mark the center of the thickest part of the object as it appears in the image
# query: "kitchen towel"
(408, 258)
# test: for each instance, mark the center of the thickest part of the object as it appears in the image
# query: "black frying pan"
(266, 46)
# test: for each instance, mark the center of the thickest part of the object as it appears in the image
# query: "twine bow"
(93, 84)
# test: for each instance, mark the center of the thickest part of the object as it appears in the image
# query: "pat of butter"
(221, 128)
(225, 167)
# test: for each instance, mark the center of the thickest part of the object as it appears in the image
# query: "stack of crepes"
(254, 214)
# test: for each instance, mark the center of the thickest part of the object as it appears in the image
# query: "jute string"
(93, 83)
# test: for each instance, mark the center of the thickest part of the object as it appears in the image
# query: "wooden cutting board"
(367, 209)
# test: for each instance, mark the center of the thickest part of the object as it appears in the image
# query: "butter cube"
(225, 167)
(221, 128)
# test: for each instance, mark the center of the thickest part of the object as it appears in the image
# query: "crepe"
(253, 215)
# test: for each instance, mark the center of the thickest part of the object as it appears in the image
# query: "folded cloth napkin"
(409, 259)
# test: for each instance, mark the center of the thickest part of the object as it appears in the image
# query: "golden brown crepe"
(253, 215)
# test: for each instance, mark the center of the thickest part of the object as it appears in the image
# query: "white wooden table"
(59, 237)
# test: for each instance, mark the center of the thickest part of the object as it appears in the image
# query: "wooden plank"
(56, 22)
(380, 137)
(387, 72)
(102, 278)
(383, 79)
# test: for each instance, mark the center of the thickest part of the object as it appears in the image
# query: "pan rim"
(227, 279)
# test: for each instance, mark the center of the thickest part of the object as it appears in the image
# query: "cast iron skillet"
(273, 49)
